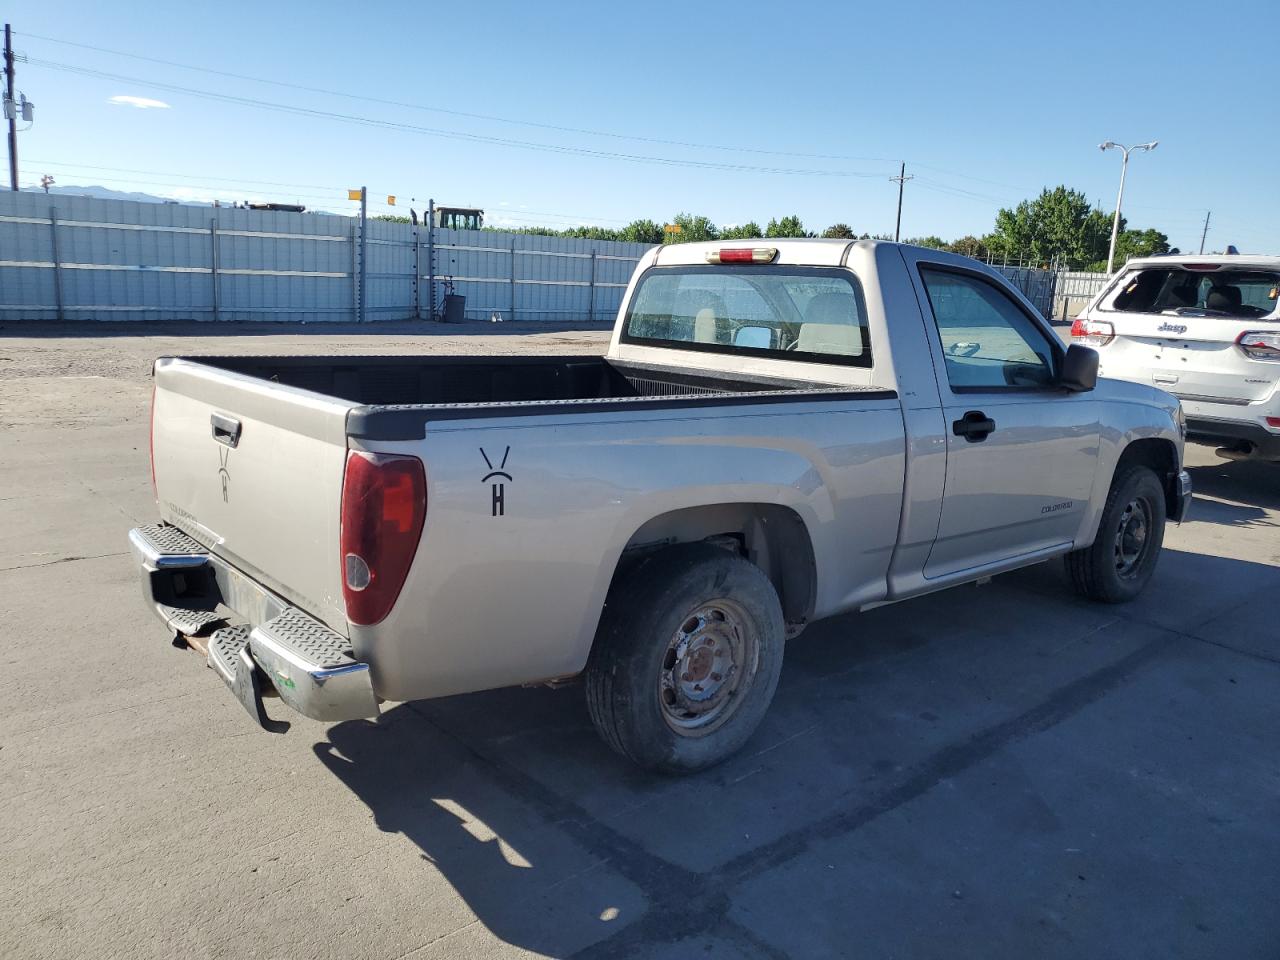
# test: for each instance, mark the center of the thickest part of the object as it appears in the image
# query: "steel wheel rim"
(709, 663)
(1133, 537)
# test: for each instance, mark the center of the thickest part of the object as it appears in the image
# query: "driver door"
(1021, 451)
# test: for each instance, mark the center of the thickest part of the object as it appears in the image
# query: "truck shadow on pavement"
(559, 847)
(1235, 492)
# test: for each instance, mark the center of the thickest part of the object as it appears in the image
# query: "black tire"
(1117, 567)
(670, 622)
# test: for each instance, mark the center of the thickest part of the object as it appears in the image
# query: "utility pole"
(1206, 229)
(900, 179)
(11, 105)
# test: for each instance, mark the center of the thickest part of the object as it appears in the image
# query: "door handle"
(225, 429)
(973, 426)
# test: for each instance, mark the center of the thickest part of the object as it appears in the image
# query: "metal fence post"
(431, 259)
(417, 299)
(591, 310)
(213, 267)
(355, 270)
(513, 281)
(57, 262)
(364, 254)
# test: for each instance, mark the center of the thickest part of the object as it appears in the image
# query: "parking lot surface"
(993, 771)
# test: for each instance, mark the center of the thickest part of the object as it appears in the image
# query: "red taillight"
(1202, 267)
(1096, 333)
(384, 504)
(1273, 422)
(1260, 345)
(742, 255)
(151, 445)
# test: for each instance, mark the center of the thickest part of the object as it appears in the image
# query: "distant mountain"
(105, 193)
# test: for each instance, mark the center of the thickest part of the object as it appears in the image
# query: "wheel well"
(1162, 457)
(772, 537)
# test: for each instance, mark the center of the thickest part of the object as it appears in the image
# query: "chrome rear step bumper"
(306, 663)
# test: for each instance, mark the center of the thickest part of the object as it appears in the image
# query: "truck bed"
(397, 395)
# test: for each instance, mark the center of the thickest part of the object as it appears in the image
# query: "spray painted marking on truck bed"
(499, 488)
(224, 458)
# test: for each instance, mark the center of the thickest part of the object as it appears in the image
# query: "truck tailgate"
(253, 470)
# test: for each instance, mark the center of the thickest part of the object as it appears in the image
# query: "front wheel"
(1123, 556)
(686, 659)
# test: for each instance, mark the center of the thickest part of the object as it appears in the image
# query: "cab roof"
(796, 251)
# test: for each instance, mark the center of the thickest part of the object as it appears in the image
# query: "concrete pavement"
(996, 771)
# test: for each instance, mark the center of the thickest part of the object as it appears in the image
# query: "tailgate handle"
(225, 429)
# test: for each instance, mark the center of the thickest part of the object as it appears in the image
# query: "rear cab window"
(815, 314)
(1249, 294)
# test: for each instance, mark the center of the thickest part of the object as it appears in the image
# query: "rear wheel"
(687, 658)
(1123, 556)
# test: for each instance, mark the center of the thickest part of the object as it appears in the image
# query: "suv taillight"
(1096, 333)
(384, 504)
(1259, 344)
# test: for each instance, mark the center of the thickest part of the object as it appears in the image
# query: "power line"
(640, 138)
(448, 134)
(458, 113)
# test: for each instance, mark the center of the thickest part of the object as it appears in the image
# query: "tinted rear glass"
(1221, 293)
(790, 313)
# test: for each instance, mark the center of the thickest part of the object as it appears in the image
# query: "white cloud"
(142, 103)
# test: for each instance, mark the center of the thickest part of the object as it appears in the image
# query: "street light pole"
(1124, 168)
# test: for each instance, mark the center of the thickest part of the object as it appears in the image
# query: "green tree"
(692, 229)
(935, 243)
(742, 231)
(839, 231)
(1137, 243)
(969, 246)
(641, 231)
(1059, 225)
(786, 227)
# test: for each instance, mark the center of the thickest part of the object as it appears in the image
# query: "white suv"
(1207, 330)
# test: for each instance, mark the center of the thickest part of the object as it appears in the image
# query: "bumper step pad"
(168, 541)
(230, 659)
(312, 668)
(224, 651)
(193, 623)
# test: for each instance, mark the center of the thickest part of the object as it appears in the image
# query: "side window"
(986, 338)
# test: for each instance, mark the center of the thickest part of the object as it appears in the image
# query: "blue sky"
(986, 103)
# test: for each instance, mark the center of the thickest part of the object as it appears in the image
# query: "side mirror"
(1079, 369)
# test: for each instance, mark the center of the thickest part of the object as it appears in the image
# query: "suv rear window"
(1220, 293)
(789, 313)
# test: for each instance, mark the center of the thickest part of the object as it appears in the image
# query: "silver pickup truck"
(776, 434)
